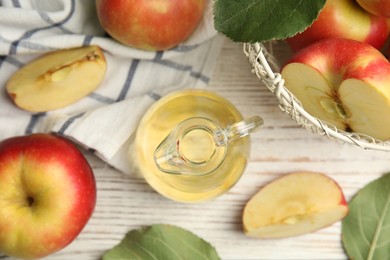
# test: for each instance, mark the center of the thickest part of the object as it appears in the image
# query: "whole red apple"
(150, 24)
(48, 194)
(376, 7)
(343, 19)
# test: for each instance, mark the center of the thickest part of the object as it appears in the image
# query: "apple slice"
(57, 79)
(295, 204)
(345, 83)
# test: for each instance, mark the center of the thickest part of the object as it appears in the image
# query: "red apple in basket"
(294, 204)
(343, 82)
(150, 24)
(47, 194)
(376, 7)
(343, 19)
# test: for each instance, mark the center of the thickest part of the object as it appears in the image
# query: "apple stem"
(30, 201)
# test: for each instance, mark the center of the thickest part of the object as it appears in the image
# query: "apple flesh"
(376, 7)
(343, 19)
(57, 79)
(345, 83)
(150, 24)
(48, 194)
(295, 204)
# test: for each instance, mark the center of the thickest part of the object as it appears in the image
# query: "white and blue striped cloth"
(105, 120)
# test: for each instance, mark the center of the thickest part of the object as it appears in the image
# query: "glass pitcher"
(193, 145)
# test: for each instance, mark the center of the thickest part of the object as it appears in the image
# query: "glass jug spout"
(198, 146)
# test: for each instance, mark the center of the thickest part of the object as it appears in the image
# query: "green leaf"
(366, 229)
(263, 20)
(162, 242)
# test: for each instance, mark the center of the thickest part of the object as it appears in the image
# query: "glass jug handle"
(238, 130)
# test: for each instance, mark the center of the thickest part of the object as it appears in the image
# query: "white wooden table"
(126, 203)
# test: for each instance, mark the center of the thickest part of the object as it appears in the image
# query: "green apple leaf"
(263, 20)
(366, 229)
(162, 242)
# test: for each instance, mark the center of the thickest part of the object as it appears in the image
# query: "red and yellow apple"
(294, 204)
(47, 196)
(150, 24)
(343, 19)
(343, 82)
(376, 7)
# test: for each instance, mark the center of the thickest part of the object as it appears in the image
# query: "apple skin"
(376, 7)
(48, 194)
(353, 74)
(152, 25)
(343, 19)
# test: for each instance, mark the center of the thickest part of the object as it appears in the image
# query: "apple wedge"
(343, 82)
(295, 204)
(57, 79)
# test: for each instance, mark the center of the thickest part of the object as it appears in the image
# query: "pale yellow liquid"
(197, 146)
(159, 121)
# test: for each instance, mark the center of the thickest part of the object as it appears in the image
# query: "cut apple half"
(57, 79)
(295, 204)
(344, 83)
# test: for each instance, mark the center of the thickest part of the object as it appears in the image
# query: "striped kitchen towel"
(105, 120)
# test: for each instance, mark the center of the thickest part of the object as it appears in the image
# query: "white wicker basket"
(265, 67)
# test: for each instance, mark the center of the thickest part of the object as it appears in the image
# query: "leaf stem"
(378, 229)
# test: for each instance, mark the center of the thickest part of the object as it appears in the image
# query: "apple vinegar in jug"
(162, 118)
